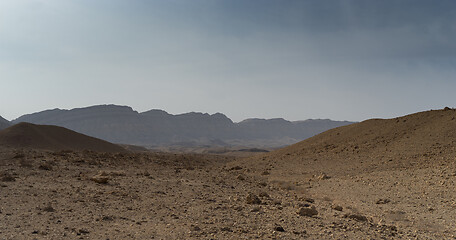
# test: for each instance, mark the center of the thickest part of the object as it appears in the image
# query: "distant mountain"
(27, 135)
(4, 123)
(121, 124)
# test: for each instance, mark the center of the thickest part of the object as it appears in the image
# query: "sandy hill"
(4, 123)
(27, 135)
(421, 138)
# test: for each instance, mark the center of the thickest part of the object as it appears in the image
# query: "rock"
(195, 228)
(308, 211)
(107, 218)
(323, 177)
(382, 201)
(304, 205)
(256, 209)
(6, 177)
(337, 208)
(45, 166)
(307, 199)
(83, 231)
(253, 199)
(49, 208)
(100, 179)
(264, 195)
(279, 229)
(226, 229)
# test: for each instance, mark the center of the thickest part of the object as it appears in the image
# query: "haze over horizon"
(343, 60)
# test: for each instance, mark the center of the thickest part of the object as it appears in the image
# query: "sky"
(343, 60)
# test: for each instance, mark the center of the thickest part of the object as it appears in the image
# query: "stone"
(279, 229)
(308, 211)
(253, 199)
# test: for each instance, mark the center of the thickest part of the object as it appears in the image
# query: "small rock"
(100, 179)
(382, 201)
(303, 205)
(264, 195)
(83, 231)
(308, 211)
(357, 217)
(6, 177)
(256, 209)
(309, 200)
(277, 202)
(279, 229)
(226, 229)
(253, 199)
(264, 184)
(240, 177)
(107, 218)
(337, 208)
(265, 173)
(45, 166)
(323, 177)
(195, 228)
(49, 208)
(236, 168)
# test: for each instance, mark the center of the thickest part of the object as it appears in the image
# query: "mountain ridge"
(122, 124)
(4, 123)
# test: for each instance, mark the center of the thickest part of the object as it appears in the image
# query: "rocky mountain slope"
(121, 124)
(27, 135)
(4, 123)
(397, 172)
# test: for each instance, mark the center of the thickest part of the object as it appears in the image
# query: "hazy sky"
(344, 60)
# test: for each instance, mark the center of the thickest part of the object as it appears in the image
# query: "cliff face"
(121, 124)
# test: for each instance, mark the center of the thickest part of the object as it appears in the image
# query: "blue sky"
(344, 60)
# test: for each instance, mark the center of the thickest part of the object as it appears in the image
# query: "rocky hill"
(414, 139)
(4, 123)
(27, 135)
(398, 172)
(121, 124)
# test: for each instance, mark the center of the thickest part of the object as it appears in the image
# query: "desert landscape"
(378, 179)
(227, 119)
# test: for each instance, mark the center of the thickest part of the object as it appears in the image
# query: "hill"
(121, 124)
(27, 135)
(419, 138)
(4, 123)
(396, 172)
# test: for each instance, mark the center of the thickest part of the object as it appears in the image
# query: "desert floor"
(88, 195)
